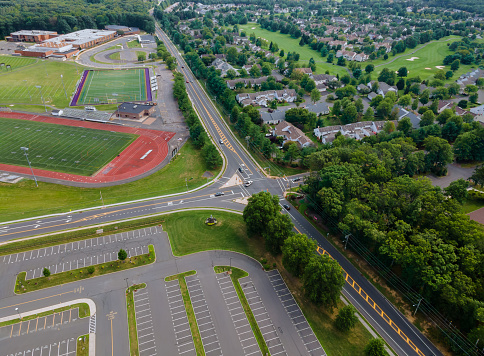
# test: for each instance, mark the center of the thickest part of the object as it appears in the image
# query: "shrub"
(90, 269)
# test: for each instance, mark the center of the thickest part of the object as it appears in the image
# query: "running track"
(126, 166)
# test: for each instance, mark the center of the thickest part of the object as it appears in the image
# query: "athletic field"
(14, 63)
(59, 148)
(113, 86)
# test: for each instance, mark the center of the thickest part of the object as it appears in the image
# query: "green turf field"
(102, 86)
(14, 63)
(59, 148)
(20, 85)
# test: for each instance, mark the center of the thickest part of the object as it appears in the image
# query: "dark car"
(296, 179)
(287, 207)
(241, 170)
(219, 194)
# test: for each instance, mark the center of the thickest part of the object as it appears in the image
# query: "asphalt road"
(407, 340)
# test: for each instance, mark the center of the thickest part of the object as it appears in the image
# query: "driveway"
(455, 172)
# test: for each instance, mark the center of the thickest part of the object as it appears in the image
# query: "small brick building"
(135, 111)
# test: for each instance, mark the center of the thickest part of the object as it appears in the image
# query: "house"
(361, 57)
(321, 88)
(135, 111)
(324, 78)
(348, 55)
(289, 132)
(414, 118)
(248, 82)
(357, 130)
(362, 88)
(372, 96)
(318, 108)
(223, 66)
(262, 98)
(272, 118)
(384, 88)
(146, 39)
(307, 71)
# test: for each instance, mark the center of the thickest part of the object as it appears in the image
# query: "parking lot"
(144, 324)
(266, 326)
(205, 323)
(183, 334)
(65, 347)
(237, 313)
(299, 321)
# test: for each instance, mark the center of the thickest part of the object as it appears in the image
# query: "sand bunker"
(253, 28)
(440, 67)
(428, 68)
(412, 59)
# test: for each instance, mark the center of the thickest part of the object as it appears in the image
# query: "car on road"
(188, 81)
(241, 170)
(247, 183)
(219, 194)
(183, 67)
(296, 179)
(287, 207)
(221, 141)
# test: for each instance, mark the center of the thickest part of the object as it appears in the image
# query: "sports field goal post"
(112, 101)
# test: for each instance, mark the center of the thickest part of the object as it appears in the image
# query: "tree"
(211, 156)
(341, 61)
(387, 76)
(449, 74)
(232, 55)
(261, 208)
(473, 98)
(46, 272)
(346, 318)
(350, 114)
(369, 68)
(357, 72)
(254, 71)
(315, 95)
(478, 175)
(281, 53)
(231, 74)
(438, 154)
(462, 104)
(415, 104)
(296, 253)
(234, 115)
(369, 115)
(458, 190)
(122, 255)
(323, 281)
(277, 231)
(141, 57)
(266, 69)
(405, 126)
(375, 347)
(425, 96)
(455, 65)
(402, 72)
(427, 118)
(405, 100)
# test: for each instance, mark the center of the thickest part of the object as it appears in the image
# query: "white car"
(247, 183)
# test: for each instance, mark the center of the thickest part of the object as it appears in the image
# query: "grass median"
(192, 321)
(82, 345)
(133, 332)
(235, 275)
(25, 286)
(84, 311)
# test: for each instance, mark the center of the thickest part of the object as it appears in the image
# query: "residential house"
(223, 66)
(318, 108)
(248, 82)
(262, 98)
(272, 118)
(324, 78)
(289, 132)
(372, 96)
(357, 130)
(414, 118)
(362, 88)
(384, 88)
(307, 71)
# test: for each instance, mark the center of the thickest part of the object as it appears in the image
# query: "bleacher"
(96, 116)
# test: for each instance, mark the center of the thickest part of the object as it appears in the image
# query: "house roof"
(292, 133)
(273, 116)
(134, 108)
(318, 108)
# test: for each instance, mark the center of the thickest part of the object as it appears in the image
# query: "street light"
(28, 89)
(417, 305)
(19, 316)
(25, 149)
(62, 79)
(40, 90)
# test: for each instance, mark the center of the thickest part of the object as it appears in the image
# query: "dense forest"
(67, 16)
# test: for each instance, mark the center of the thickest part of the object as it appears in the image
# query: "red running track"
(127, 165)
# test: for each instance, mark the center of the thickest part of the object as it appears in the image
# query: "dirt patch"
(207, 174)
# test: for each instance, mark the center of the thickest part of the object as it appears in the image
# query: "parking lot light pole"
(62, 79)
(18, 312)
(40, 89)
(25, 149)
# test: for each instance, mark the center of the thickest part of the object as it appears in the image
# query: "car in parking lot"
(287, 207)
(219, 194)
(241, 170)
(247, 183)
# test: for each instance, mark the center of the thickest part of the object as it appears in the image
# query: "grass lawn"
(188, 233)
(14, 63)
(133, 332)
(82, 345)
(471, 205)
(235, 275)
(289, 44)
(133, 44)
(429, 56)
(23, 200)
(83, 312)
(115, 56)
(19, 86)
(23, 286)
(60, 148)
(192, 321)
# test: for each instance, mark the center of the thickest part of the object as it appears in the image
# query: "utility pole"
(247, 138)
(418, 304)
(347, 237)
(62, 79)
(25, 149)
